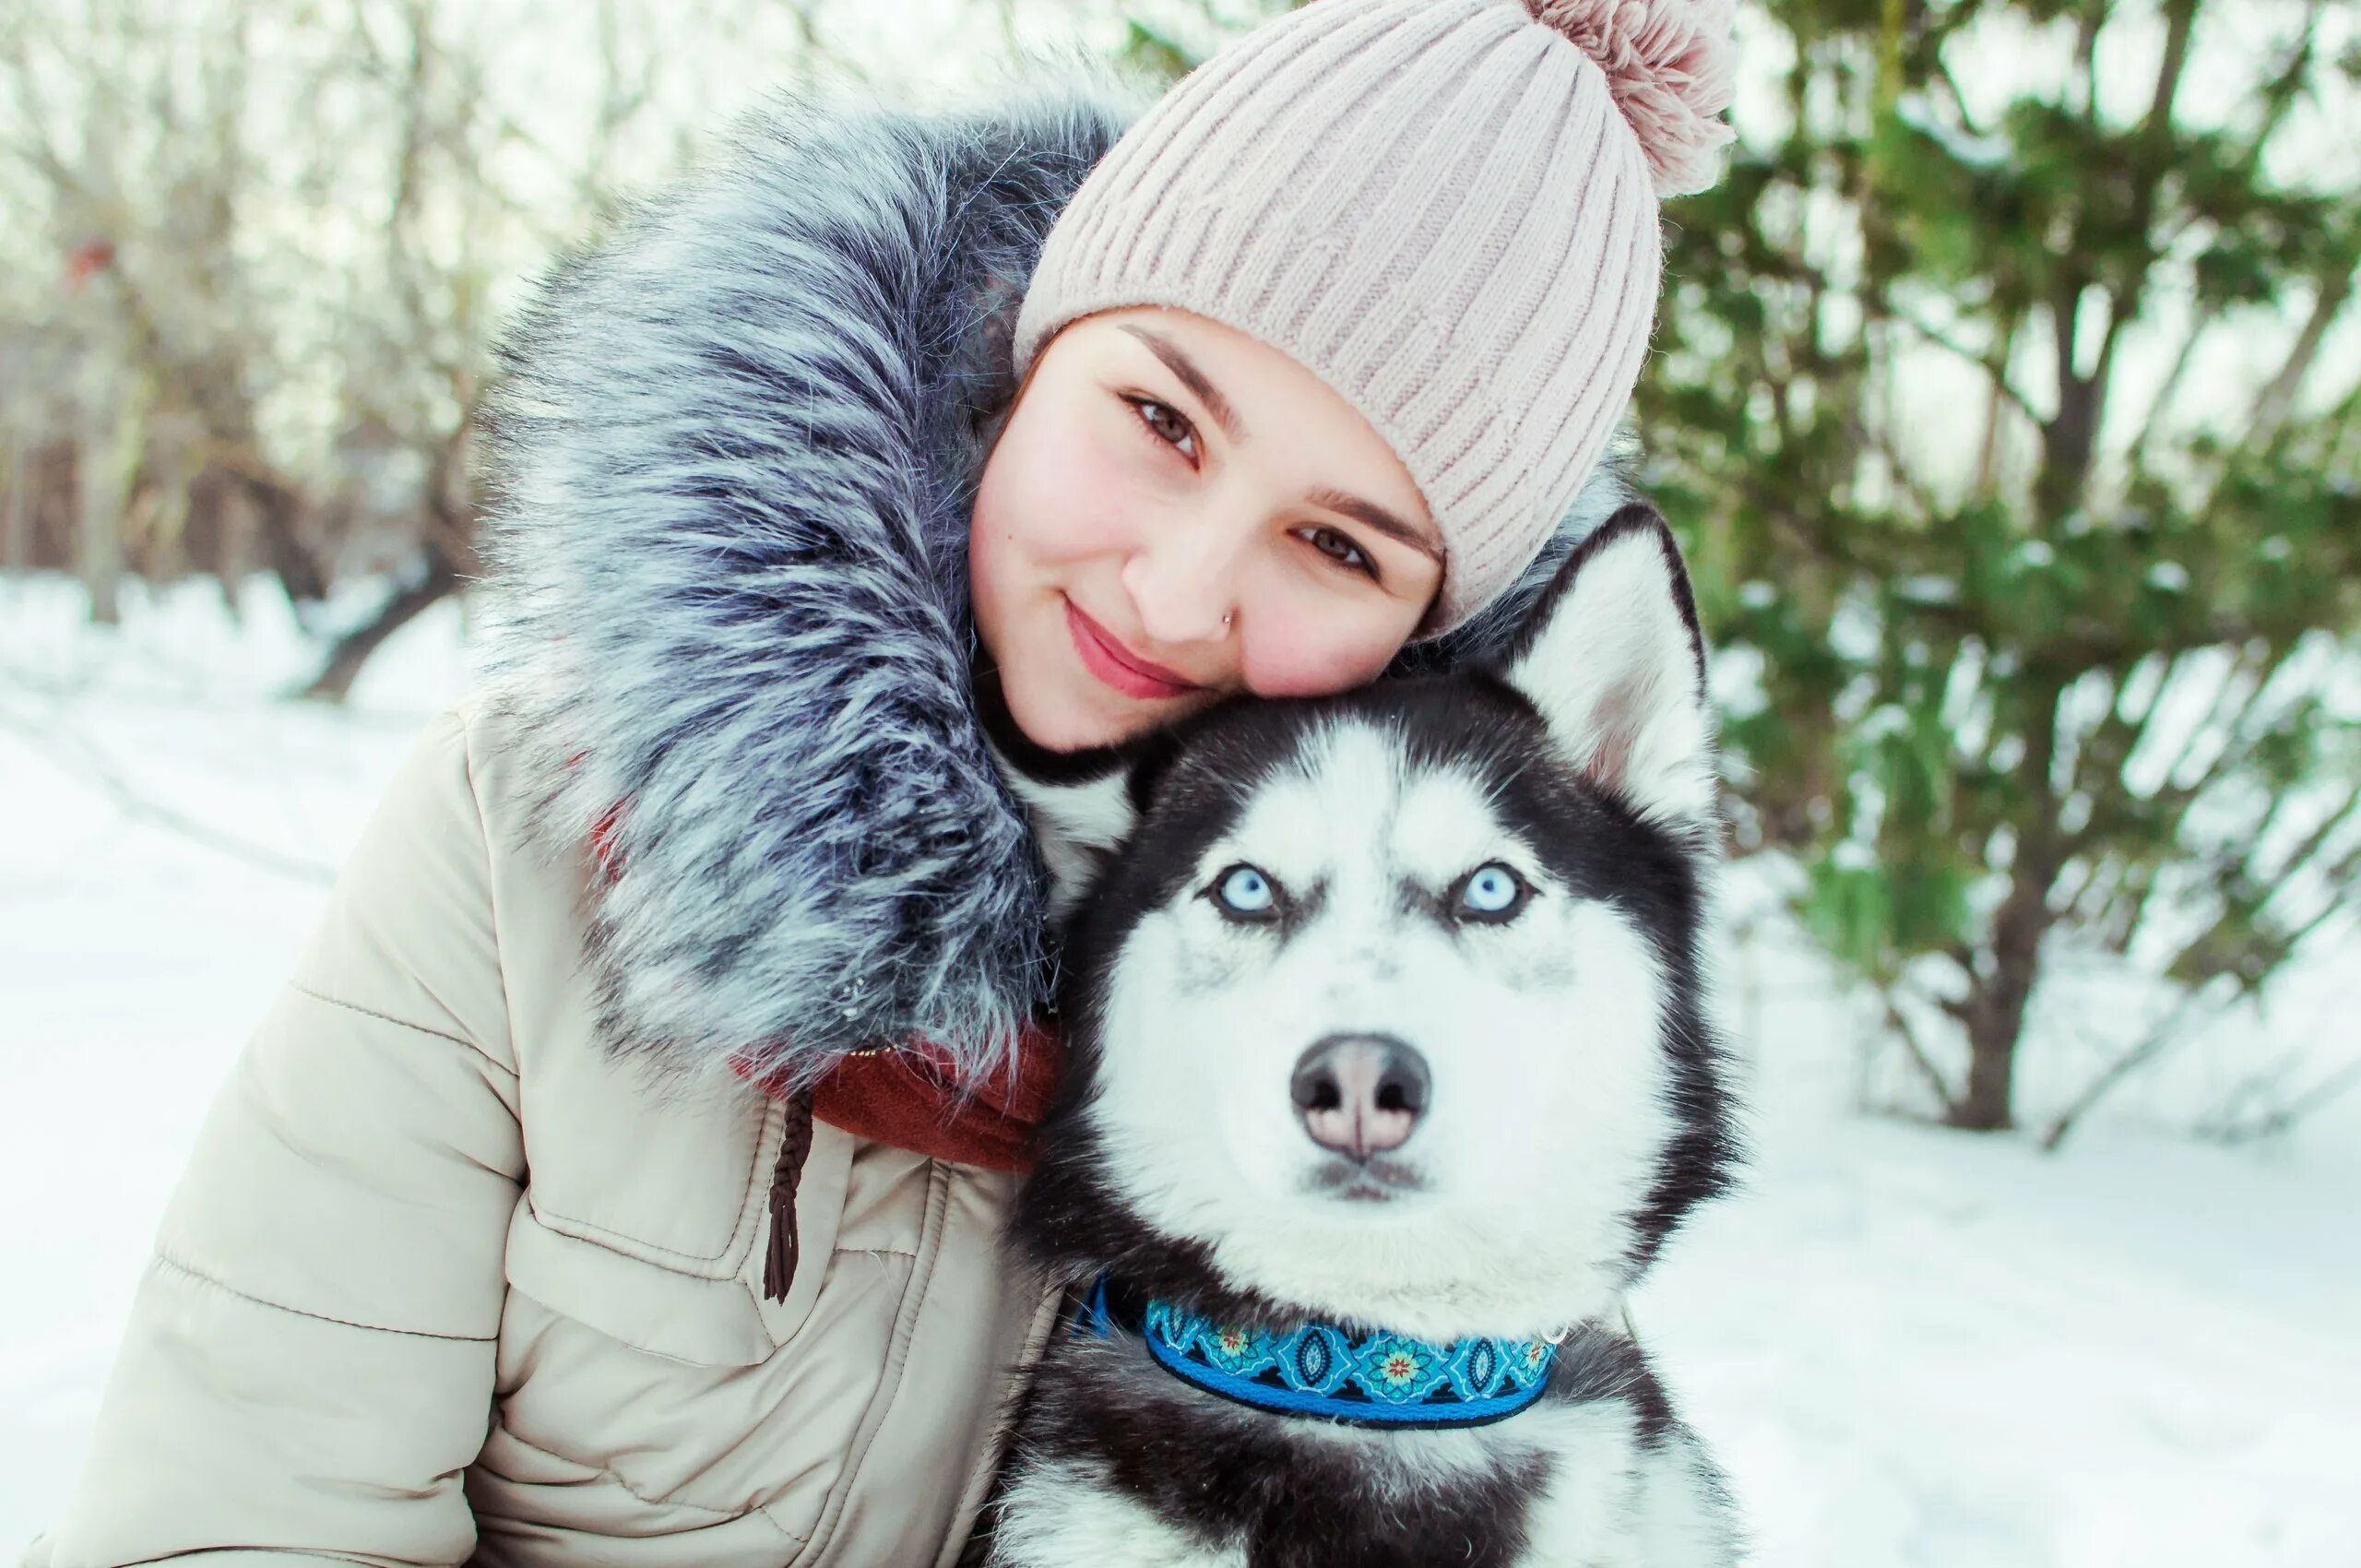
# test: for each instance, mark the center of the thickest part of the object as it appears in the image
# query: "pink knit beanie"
(1445, 209)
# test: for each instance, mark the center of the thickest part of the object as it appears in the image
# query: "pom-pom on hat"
(1445, 209)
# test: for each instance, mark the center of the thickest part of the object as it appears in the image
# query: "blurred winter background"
(2009, 399)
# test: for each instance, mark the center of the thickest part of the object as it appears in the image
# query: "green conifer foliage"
(2006, 393)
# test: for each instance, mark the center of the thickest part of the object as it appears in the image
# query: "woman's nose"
(1183, 582)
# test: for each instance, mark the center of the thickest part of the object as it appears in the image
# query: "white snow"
(1918, 1347)
(1909, 1346)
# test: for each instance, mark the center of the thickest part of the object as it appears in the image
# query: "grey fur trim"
(734, 455)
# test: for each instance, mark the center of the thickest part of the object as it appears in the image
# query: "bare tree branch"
(2161, 1037)
(1999, 382)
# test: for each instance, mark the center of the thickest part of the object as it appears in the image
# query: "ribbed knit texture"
(1438, 206)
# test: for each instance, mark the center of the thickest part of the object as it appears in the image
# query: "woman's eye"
(1164, 424)
(1492, 893)
(1243, 892)
(1340, 548)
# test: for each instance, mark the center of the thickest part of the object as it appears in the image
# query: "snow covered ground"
(1909, 1346)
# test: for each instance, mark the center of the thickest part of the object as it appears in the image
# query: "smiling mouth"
(1117, 666)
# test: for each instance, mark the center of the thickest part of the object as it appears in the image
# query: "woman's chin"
(1067, 729)
(1022, 724)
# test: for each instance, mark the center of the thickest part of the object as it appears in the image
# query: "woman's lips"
(1118, 666)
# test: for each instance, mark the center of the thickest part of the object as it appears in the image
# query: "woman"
(602, 1187)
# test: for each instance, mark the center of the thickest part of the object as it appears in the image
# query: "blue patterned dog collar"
(1333, 1372)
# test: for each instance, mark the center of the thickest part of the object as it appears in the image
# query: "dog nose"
(1361, 1094)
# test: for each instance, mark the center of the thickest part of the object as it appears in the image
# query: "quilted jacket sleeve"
(308, 1368)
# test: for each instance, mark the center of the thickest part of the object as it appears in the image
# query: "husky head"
(1388, 1007)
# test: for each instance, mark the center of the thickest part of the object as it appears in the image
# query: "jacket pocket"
(656, 1280)
(654, 1171)
(670, 1387)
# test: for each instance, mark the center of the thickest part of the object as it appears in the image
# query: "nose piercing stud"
(1228, 616)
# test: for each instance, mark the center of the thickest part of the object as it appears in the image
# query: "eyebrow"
(1377, 517)
(1225, 415)
(1182, 365)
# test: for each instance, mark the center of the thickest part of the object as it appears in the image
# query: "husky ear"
(1613, 659)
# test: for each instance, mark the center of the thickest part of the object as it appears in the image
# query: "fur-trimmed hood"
(734, 455)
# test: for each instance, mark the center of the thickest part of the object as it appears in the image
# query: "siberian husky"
(1391, 1070)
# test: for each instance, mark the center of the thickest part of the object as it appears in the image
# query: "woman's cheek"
(1314, 650)
(1080, 502)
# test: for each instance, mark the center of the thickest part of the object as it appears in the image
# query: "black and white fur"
(1578, 1110)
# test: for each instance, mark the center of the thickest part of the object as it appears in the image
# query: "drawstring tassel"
(794, 1146)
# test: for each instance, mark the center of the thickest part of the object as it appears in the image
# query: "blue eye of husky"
(1246, 892)
(1492, 892)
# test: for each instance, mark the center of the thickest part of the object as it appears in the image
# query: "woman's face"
(1176, 511)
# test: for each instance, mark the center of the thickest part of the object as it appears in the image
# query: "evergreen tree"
(2005, 413)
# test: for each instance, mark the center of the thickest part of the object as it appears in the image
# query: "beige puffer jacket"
(444, 1282)
(456, 1274)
